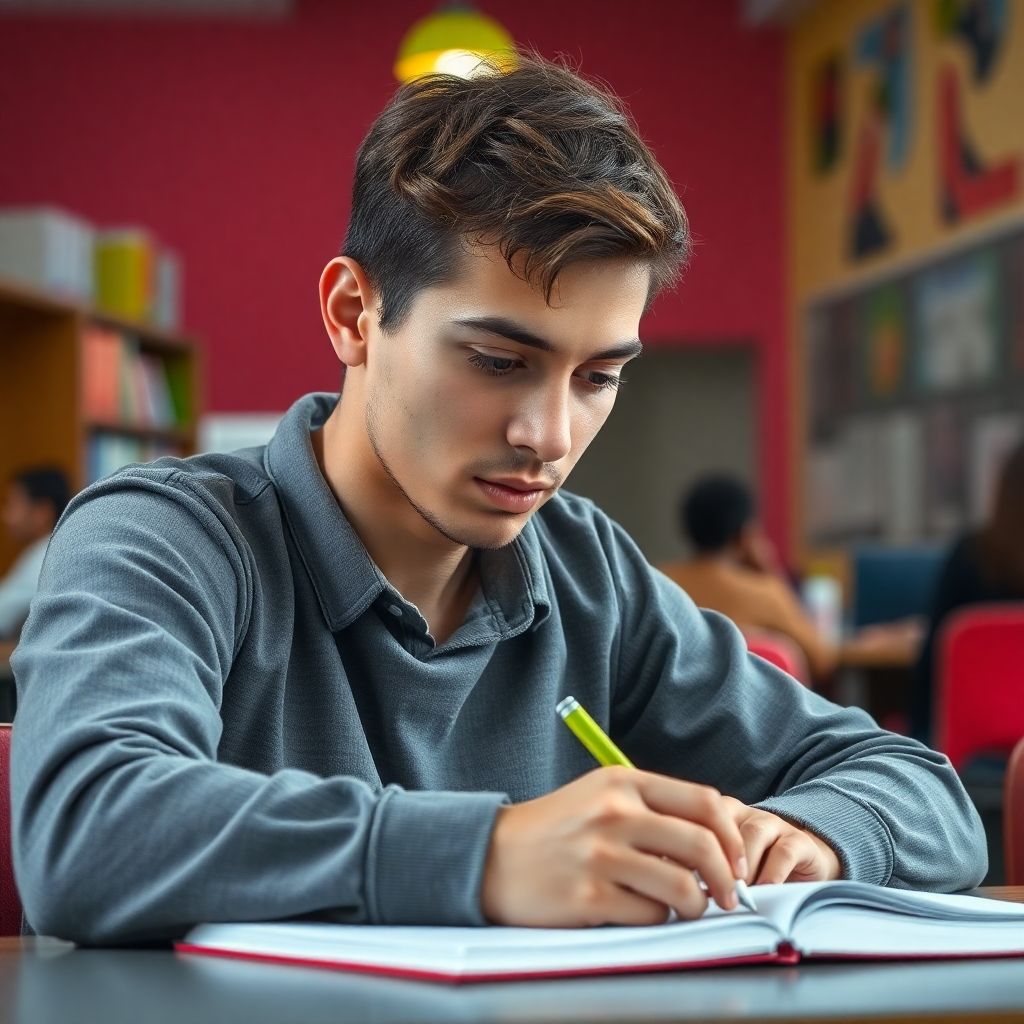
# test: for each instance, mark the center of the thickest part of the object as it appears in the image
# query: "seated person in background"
(320, 677)
(735, 569)
(33, 503)
(985, 565)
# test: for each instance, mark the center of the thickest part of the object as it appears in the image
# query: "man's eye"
(497, 366)
(603, 381)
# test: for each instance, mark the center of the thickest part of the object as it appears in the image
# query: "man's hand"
(758, 552)
(617, 846)
(779, 851)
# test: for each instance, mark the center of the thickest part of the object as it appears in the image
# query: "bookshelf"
(57, 408)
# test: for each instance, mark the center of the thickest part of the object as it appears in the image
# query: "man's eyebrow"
(505, 328)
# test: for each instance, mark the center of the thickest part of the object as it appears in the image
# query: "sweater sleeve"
(690, 701)
(125, 825)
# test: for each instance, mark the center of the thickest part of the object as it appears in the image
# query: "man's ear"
(347, 304)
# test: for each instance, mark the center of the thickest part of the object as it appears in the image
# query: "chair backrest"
(1013, 816)
(10, 903)
(893, 583)
(979, 703)
(782, 652)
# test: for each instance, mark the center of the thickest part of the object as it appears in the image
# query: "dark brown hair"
(537, 160)
(1002, 540)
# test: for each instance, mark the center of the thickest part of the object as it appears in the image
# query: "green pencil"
(599, 743)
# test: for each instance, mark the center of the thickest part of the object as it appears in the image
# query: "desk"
(43, 981)
(893, 645)
(875, 670)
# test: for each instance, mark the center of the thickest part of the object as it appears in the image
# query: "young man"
(320, 677)
(33, 503)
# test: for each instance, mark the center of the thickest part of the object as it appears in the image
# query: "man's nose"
(543, 424)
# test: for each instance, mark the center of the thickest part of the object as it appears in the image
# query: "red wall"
(234, 141)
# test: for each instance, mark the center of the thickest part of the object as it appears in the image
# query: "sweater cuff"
(425, 860)
(854, 830)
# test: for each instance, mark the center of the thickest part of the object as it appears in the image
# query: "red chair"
(10, 903)
(980, 697)
(1013, 816)
(781, 652)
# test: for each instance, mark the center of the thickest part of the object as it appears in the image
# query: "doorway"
(681, 412)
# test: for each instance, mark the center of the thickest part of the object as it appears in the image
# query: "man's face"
(481, 403)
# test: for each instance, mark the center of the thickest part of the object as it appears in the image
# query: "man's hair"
(536, 160)
(46, 483)
(714, 512)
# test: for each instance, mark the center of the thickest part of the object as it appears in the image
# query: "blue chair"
(892, 583)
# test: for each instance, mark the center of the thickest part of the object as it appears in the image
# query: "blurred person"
(320, 677)
(33, 503)
(984, 565)
(735, 569)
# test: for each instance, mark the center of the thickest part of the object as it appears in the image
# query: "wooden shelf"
(142, 431)
(149, 335)
(43, 417)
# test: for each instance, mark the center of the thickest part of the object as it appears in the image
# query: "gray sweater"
(227, 713)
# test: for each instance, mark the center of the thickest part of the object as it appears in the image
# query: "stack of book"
(123, 271)
(48, 249)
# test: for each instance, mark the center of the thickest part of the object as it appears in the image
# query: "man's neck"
(437, 575)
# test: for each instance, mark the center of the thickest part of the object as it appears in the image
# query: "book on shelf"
(124, 272)
(101, 358)
(136, 278)
(47, 248)
(123, 383)
(799, 921)
(108, 452)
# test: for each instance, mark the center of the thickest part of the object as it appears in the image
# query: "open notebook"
(801, 920)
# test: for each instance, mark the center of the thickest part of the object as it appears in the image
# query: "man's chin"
(493, 537)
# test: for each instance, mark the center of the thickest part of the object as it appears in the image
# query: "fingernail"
(743, 868)
(731, 902)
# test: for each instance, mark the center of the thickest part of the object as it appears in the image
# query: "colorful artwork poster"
(959, 316)
(979, 26)
(970, 183)
(945, 469)
(826, 115)
(881, 138)
(884, 341)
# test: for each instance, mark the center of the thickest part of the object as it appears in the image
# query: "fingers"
(783, 856)
(667, 883)
(759, 833)
(606, 902)
(700, 804)
(687, 845)
(779, 851)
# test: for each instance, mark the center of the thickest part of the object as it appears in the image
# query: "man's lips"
(511, 494)
(514, 483)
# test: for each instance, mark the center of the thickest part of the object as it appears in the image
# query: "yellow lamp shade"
(453, 41)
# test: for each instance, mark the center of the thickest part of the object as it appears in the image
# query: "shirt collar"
(346, 579)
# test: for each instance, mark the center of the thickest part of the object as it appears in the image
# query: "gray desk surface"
(46, 982)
